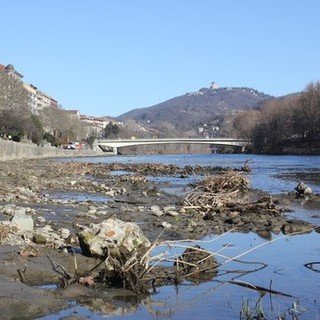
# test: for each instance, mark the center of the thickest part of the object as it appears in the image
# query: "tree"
(111, 130)
(91, 137)
(245, 122)
(275, 127)
(13, 96)
(306, 115)
(35, 131)
(63, 126)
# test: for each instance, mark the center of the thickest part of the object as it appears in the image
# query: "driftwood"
(215, 191)
(225, 193)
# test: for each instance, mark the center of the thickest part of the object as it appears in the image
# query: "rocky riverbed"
(45, 204)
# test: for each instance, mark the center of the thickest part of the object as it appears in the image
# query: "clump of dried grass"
(215, 191)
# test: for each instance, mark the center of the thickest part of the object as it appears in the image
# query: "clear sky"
(107, 57)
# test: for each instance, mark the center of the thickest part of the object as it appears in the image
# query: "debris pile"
(195, 260)
(215, 191)
(226, 202)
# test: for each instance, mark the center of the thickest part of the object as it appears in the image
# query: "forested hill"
(200, 106)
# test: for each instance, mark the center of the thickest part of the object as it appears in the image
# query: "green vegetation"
(111, 130)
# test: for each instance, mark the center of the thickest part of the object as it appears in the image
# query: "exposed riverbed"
(71, 196)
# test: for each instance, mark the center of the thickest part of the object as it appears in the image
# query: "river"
(297, 290)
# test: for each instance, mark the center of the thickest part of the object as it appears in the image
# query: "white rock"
(172, 213)
(22, 221)
(165, 224)
(64, 233)
(158, 213)
(155, 208)
(102, 213)
(92, 211)
(169, 208)
(41, 219)
(308, 190)
(113, 237)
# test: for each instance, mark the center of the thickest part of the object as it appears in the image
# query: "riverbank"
(63, 198)
(11, 150)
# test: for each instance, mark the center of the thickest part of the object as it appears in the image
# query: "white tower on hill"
(213, 85)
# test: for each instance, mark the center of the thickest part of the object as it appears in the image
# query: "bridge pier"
(115, 150)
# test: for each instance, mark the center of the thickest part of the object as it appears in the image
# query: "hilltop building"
(213, 86)
(9, 69)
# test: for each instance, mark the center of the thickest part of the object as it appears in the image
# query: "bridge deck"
(114, 144)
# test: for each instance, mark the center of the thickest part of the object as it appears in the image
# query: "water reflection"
(76, 196)
(251, 268)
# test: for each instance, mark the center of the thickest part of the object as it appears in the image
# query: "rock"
(182, 210)
(92, 211)
(169, 208)
(41, 220)
(110, 193)
(156, 211)
(113, 237)
(57, 239)
(302, 189)
(296, 226)
(64, 233)
(102, 212)
(155, 208)
(22, 221)
(172, 213)
(39, 239)
(9, 209)
(166, 225)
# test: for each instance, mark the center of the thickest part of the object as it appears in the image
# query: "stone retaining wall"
(10, 150)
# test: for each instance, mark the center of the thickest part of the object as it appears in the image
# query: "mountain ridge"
(198, 106)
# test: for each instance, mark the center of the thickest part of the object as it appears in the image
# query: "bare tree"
(306, 115)
(63, 126)
(274, 128)
(13, 96)
(246, 121)
(15, 116)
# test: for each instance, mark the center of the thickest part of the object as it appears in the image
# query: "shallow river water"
(288, 265)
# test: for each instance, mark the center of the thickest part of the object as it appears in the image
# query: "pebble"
(166, 225)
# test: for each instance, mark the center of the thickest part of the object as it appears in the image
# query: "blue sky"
(106, 57)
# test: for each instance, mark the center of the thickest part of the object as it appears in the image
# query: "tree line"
(284, 125)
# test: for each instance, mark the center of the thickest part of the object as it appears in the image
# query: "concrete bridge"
(106, 145)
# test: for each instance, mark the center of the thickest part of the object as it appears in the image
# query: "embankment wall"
(11, 150)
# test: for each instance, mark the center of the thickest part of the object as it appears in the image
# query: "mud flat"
(45, 204)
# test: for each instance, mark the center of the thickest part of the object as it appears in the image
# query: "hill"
(192, 108)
